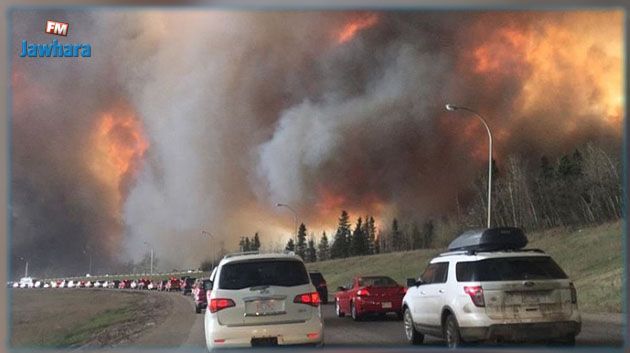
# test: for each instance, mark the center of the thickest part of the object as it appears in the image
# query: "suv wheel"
(451, 332)
(338, 309)
(413, 336)
(353, 311)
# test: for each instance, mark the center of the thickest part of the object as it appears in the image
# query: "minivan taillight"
(476, 294)
(311, 299)
(218, 304)
(573, 293)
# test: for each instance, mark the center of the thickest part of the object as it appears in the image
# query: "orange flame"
(556, 59)
(118, 147)
(330, 204)
(351, 29)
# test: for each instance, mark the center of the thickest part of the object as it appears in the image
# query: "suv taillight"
(476, 294)
(573, 293)
(218, 304)
(311, 299)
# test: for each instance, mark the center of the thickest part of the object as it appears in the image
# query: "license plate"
(264, 341)
(386, 305)
(264, 307)
(531, 298)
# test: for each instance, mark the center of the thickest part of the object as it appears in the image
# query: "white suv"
(487, 288)
(262, 299)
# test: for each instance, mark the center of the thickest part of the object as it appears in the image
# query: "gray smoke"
(243, 110)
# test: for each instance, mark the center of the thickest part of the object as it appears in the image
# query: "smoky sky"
(242, 110)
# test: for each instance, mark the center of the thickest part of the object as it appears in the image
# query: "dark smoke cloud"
(243, 110)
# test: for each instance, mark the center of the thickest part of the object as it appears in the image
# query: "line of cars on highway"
(486, 288)
(183, 284)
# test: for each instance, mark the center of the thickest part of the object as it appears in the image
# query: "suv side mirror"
(412, 282)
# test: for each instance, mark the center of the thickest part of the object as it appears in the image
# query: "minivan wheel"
(338, 309)
(413, 336)
(451, 333)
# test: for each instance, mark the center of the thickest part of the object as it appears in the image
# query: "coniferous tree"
(427, 234)
(340, 246)
(371, 236)
(323, 249)
(300, 248)
(397, 236)
(248, 244)
(359, 239)
(241, 244)
(256, 242)
(417, 242)
(290, 245)
(377, 243)
(311, 252)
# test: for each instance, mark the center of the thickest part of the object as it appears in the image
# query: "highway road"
(184, 329)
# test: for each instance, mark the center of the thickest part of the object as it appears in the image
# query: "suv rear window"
(509, 269)
(276, 272)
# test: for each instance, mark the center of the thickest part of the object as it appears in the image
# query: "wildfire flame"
(119, 145)
(552, 57)
(351, 29)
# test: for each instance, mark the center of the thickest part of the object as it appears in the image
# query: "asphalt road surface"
(184, 329)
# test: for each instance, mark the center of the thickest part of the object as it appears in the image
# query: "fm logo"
(57, 28)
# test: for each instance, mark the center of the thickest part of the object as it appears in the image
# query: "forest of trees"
(577, 189)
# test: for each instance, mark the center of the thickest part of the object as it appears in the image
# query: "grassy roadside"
(43, 318)
(83, 332)
(592, 257)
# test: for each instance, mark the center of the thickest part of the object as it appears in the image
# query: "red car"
(124, 284)
(199, 289)
(369, 295)
(172, 284)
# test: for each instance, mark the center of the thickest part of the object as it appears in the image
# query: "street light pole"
(295, 220)
(25, 266)
(214, 246)
(88, 252)
(150, 247)
(451, 107)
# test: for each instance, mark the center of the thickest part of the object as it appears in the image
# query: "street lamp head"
(451, 107)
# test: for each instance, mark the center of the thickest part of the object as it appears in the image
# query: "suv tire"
(413, 336)
(338, 309)
(451, 332)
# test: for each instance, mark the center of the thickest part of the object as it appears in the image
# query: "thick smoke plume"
(221, 115)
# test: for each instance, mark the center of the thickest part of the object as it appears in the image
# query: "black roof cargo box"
(491, 239)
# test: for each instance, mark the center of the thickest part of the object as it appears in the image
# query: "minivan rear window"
(274, 272)
(316, 277)
(509, 269)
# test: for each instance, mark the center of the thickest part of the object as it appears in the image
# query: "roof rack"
(474, 252)
(227, 256)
